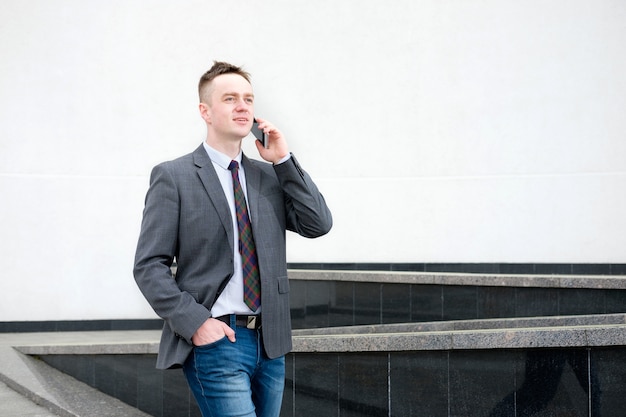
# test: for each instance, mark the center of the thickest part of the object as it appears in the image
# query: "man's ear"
(205, 112)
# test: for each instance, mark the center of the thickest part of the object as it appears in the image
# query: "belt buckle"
(251, 322)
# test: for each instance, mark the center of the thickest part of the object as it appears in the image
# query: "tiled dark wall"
(489, 383)
(545, 382)
(332, 303)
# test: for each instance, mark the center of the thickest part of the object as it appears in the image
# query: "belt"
(249, 322)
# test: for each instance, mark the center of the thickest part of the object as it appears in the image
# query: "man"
(230, 347)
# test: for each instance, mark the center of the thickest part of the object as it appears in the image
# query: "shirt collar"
(219, 158)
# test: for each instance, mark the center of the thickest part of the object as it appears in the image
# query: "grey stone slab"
(467, 279)
(594, 330)
(481, 324)
(13, 403)
(610, 335)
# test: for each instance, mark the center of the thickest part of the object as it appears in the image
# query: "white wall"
(439, 131)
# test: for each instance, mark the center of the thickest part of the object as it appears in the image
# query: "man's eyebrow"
(233, 93)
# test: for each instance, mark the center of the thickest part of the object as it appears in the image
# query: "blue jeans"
(236, 379)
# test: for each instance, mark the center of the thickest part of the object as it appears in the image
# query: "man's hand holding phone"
(270, 141)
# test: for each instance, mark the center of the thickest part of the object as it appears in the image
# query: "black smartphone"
(260, 135)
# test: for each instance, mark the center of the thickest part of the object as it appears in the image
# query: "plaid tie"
(247, 249)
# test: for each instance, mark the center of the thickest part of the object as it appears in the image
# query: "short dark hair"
(218, 68)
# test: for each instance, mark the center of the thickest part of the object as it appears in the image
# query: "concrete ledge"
(472, 279)
(540, 332)
(485, 324)
(465, 340)
(135, 342)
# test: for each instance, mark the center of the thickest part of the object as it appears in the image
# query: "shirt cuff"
(284, 159)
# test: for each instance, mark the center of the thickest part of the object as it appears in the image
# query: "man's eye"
(250, 100)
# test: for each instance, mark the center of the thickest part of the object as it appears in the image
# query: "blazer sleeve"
(156, 250)
(307, 212)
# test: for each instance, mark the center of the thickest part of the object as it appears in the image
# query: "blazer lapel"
(212, 185)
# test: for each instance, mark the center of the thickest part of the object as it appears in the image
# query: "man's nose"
(242, 105)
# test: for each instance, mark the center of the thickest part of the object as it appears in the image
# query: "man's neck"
(230, 147)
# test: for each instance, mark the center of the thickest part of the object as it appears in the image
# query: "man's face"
(230, 109)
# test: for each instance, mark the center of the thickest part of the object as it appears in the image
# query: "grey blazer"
(186, 218)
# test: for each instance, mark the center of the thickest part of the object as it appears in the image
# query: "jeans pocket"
(212, 345)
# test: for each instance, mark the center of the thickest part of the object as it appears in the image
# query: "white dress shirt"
(231, 299)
